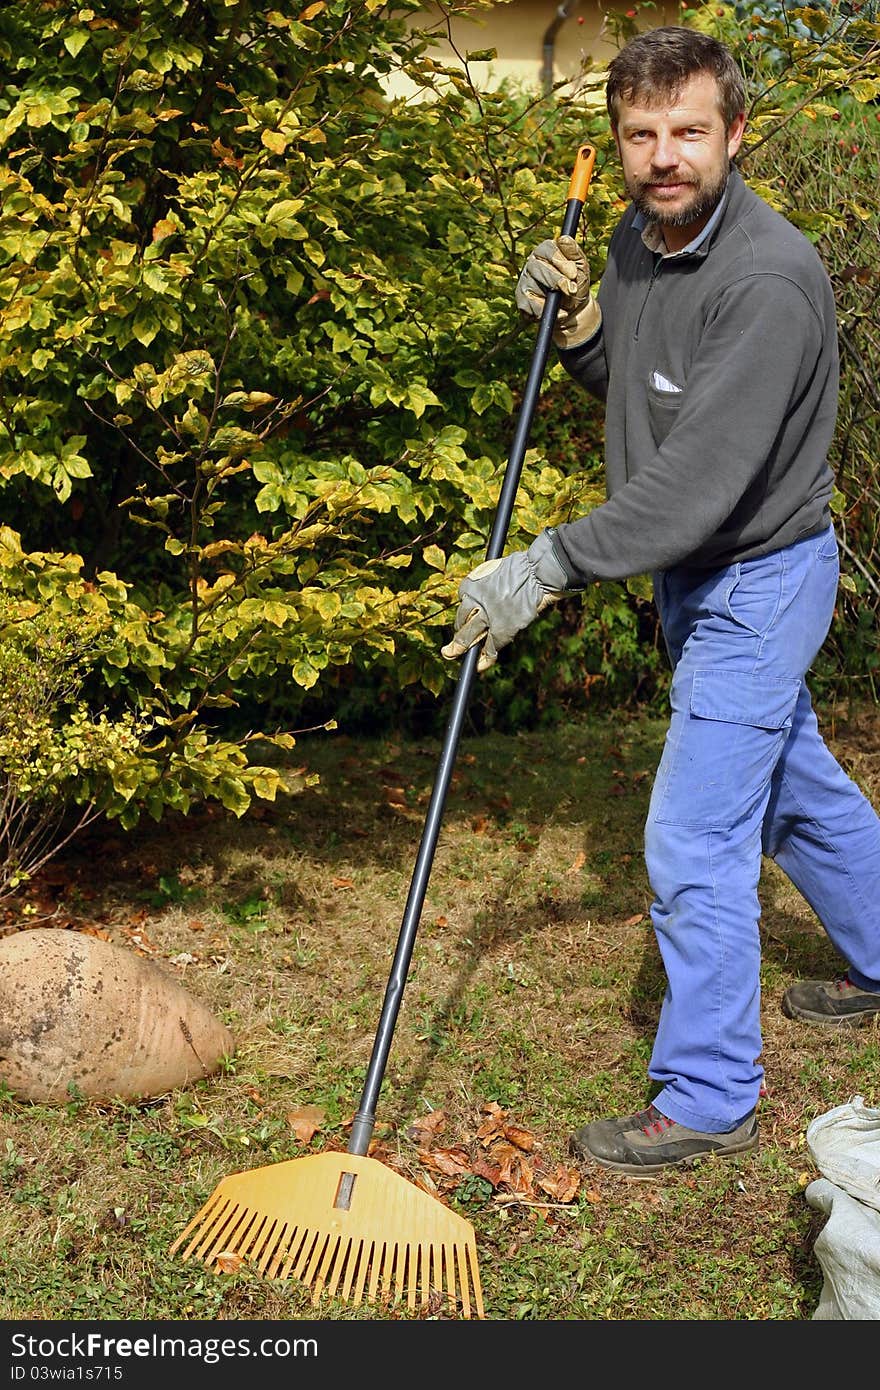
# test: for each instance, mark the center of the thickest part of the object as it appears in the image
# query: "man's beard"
(706, 198)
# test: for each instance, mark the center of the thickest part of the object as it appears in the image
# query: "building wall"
(526, 53)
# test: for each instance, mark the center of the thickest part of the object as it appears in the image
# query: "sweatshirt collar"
(652, 235)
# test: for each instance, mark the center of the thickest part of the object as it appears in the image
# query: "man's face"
(676, 155)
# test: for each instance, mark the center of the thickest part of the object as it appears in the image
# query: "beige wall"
(516, 29)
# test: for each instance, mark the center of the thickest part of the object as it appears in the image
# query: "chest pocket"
(663, 408)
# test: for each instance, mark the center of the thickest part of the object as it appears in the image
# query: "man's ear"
(735, 132)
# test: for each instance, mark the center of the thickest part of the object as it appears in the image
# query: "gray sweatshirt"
(719, 369)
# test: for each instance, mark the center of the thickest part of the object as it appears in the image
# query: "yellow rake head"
(344, 1225)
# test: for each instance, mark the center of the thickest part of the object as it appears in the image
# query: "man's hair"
(656, 65)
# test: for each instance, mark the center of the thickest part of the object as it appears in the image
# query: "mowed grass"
(533, 994)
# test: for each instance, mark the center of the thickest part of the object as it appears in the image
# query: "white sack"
(845, 1145)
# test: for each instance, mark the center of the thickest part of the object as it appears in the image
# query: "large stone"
(79, 1012)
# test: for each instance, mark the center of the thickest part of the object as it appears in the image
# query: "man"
(713, 343)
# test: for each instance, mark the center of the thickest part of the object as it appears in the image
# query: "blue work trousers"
(745, 772)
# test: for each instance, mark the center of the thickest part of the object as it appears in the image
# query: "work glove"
(560, 265)
(501, 597)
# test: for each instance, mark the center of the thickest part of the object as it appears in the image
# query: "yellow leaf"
(274, 141)
(311, 10)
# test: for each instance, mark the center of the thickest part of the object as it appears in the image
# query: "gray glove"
(560, 265)
(501, 597)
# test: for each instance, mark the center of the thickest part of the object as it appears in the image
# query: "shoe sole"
(857, 1020)
(646, 1172)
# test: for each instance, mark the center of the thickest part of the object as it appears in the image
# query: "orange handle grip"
(582, 173)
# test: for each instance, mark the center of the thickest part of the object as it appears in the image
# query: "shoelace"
(652, 1122)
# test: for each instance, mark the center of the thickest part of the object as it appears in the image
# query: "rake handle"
(365, 1117)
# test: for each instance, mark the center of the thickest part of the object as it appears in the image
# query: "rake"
(344, 1224)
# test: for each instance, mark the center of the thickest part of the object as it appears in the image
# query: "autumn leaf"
(453, 1163)
(228, 1262)
(577, 863)
(489, 1171)
(631, 921)
(395, 796)
(562, 1184)
(306, 1121)
(427, 1127)
(522, 1138)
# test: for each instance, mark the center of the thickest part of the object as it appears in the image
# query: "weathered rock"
(76, 1011)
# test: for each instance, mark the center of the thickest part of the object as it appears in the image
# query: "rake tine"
(475, 1279)
(463, 1280)
(310, 1240)
(280, 1252)
(412, 1279)
(216, 1204)
(255, 1239)
(293, 1250)
(343, 1259)
(357, 1266)
(377, 1259)
(396, 1272)
(425, 1273)
(196, 1221)
(449, 1266)
(318, 1249)
(269, 1246)
(226, 1234)
(367, 1255)
(326, 1266)
(221, 1218)
(245, 1230)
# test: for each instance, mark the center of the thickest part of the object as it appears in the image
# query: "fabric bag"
(845, 1146)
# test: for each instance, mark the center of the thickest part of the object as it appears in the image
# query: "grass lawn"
(530, 1008)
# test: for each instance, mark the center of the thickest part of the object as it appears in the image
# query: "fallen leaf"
(427, 1127)
(395, 796)
(305, 1121)
(451, 1162)
(522, 1138)
(343, 883)
(631, 921)
(577, 863)
(479, 824)
(486, 1169)
(228, 1262)
(562, 1184)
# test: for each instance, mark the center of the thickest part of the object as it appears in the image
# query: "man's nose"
(665, 154)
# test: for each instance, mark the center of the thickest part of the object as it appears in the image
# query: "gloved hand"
(501, 597)
(560, 265)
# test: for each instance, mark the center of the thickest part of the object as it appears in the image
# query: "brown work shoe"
(643, 1143)
(830, 1001)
